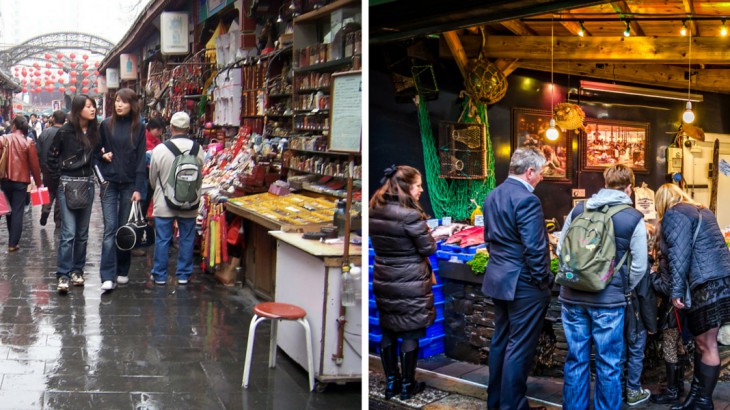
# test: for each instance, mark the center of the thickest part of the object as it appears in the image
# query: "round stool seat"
(276, 310)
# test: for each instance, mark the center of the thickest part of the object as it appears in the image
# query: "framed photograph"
(528, 130)
(607, 142)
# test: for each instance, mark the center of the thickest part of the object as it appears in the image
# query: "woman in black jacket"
(401, 275)
(124, 168)
(699, 262)
(70, 162)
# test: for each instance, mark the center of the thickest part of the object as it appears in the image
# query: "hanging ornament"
(25, 89)
(96, 73)
(96, 64)
(72, 55)
(85, 90)
(38, 89)
(62, 89)
(60, 63)
(72, 88)
(96, 90)
(59, 56)
(37, 81)
(47, 56)
(61, 80)
(36, 65)
(85, 82)
(85, 57)
(72, 73)
(85, 65)
(60, 72)
(24, 72)
(73, 64)
(24, 82)
(84, 73)
(47, 72)
(72, 80)
(49, 65)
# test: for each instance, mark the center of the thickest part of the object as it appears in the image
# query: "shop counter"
(308, 274)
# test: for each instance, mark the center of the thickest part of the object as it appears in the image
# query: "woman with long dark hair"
(699, 263)
(122, 163)
(401, 275)
(22, 162)
(70, 163)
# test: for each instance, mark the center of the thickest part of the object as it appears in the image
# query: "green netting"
(452, 197)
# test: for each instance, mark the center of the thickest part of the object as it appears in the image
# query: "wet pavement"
(142, 346)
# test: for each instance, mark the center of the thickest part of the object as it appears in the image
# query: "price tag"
(432, 223)
(446, 221)
(478, 220)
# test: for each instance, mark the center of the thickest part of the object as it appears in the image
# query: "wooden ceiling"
(655, 53)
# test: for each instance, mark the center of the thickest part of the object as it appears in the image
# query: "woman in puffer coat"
(401, 275)
(699, 262)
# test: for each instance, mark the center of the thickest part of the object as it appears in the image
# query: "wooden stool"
(277, 311)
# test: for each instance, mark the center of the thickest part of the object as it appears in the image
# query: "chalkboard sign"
(346, 112)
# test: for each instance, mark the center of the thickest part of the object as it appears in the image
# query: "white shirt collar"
(523, 182)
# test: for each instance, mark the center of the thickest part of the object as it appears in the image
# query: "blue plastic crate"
(457, 257)
(439, 309)
(439, 244)
(433, 259)
(451, 247)
(438, 293)
(473, 249)
(370, 273)
(372, 308)
(434, 347)
(371, 257)
(436, 329)
(374, 326)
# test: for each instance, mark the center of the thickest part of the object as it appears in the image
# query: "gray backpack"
(182, 187)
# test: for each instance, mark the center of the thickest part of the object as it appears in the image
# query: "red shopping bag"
(4, 207)
(39, 196)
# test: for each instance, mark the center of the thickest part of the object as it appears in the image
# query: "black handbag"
(137, 233)
(79, 193)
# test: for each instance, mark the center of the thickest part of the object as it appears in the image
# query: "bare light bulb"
(688, 116)
(627, 32)
(723, 30)
(552, 132)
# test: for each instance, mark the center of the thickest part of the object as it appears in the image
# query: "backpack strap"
(173, 148)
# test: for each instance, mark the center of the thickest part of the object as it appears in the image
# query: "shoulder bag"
(136, 233)
(79, 192)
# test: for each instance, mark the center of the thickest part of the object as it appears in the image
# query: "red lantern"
(62, 89)
(96, 73)
(73, 64)
(85, 57)
(24, 82)
(49, 88)
(59, 56)
(85, 65)
(16, 68)
(96, 64)
(72, 89)
(96, 90)
(72, 80)
(72, 55)
(24, 72)
(47, 56)
(25, 89)
(60, 72)
(49, 65)
(72, 73)
(38, 89)
(37, 81)
(36, 65)
(47, 72)
(16, 74)
(84, 73)
(61, 81)
(85, 90)
(85, 82)
(60, 63)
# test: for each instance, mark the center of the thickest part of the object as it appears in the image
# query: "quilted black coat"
(402, 272)
(707, 260)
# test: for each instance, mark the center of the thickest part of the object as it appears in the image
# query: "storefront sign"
(346, 112)
(174, 33)
(128, 66)
(101, 84)
(112, 78)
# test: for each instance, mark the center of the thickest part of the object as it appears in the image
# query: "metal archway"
(47, 43)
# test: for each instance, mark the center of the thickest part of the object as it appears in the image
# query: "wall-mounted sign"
(128, 66)
(101, 84)
(174, 33)
(112, 78)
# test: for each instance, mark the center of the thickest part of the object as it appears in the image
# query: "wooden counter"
(332, 254)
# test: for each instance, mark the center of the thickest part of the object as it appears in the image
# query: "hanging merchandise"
(645, 201)
(227, 97)
(451, 197)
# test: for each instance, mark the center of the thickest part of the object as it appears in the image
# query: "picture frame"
(604, 143)
(528, 129)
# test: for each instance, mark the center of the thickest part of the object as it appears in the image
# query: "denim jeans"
(604, 328)
(74, 236)
(163, 236)
(635, 359)
(116, 202)
(15, 192)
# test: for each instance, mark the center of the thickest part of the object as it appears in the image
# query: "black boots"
(671, 393)
(410, 386)
(703, 384)
(389, 357)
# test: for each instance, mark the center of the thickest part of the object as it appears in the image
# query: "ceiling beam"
(658, 75)
(667, 50)
(457, 50)
(519, 28)
(689, 8)
(574, 27)
(621, 7)
(507, 66)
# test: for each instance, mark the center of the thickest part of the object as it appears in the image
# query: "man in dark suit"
(517, 278)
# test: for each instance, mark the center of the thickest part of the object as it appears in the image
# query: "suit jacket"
(514, 231)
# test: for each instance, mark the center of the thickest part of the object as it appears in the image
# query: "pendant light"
(552, 132)
(689, 116)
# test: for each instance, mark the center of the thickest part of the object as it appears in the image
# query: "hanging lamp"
(689, 116)
(552, 132)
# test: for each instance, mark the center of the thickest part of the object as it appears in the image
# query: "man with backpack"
(603, 255)
(176, 178)
(517, 278)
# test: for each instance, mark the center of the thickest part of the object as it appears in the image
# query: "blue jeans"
(74, 236)
(635, 359)
(163, 236)
(116, 202)
(603, 327)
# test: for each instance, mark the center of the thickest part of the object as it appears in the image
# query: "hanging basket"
(569, 116)
(485, 82)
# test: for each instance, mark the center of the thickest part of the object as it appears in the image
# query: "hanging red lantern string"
(73, 64)
(25, 89)
(49, 65)
(85, 65)
(60, 63)
(60, 72)
(72, 73)
(96, 64)
(36, 65)
(85, 57)
(72, 55)
(38, 89)
(96, 73)
(96, 90)
(85, 82)
(84, 73)
(72, 88)
(47, 56)
(59, 56)
(62, 89)
(61, 80)
(84, 90)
